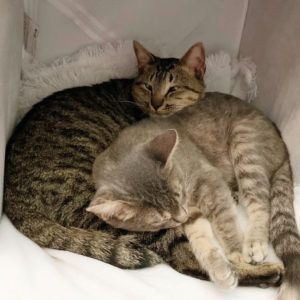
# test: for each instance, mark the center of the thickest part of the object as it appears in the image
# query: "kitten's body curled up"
(48, 176)
(163, 172)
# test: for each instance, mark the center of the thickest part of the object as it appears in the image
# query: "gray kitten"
(161, 173)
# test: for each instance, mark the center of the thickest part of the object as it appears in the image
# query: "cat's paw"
(262, 275)
(255, 251)
(224, 276)
(236, 258)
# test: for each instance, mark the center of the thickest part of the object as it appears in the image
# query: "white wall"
(272, 38)
(11, 38)
(176, 23)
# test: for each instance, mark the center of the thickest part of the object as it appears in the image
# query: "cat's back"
(50, 154)
(218, 107)
(211, 116)
(217, 115)
(215, 122)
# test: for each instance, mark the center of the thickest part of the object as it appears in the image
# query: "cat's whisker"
(134, 103)
(145, 105)
(131, 102)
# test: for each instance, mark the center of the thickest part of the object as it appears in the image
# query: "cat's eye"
(172, 89)
(148, 87)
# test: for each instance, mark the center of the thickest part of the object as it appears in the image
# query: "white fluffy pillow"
(99, 63)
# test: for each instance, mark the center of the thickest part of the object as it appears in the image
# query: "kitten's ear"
(111, 209)
(162, 146)
(144, 57)
(194, 60)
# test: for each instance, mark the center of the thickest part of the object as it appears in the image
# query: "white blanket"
(29, 272)
(102, 62)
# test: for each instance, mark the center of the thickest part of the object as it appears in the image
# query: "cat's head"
(143, 190)
(167, 85)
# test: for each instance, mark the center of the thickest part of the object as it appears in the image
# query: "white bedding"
(29, 272)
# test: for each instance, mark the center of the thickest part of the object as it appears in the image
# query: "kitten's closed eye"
(169, 106)
(168, 80)
(148, 87)
(172, 89)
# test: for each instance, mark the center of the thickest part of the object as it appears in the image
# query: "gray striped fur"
(48, 181)
(222, 142)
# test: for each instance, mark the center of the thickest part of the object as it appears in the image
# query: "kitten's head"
(141, 191)
(167, 85)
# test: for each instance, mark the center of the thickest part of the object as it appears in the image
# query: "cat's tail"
(123, 251)
(284, 233)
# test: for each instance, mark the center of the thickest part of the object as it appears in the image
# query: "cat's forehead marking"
(163, 68)
(151, 76)
(166, 64)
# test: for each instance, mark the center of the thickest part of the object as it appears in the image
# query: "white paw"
(255, 251)
(223, 276)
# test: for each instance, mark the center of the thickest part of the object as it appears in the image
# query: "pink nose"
(156, 103)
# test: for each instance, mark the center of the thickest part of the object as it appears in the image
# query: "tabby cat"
(164, 172)
(48, 182)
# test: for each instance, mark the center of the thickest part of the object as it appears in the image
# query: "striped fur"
(165, 86)
(48, 183)
(284, 234)
(223, 142)
(258, 162)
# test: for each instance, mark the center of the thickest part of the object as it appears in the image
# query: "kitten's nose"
(156, 103)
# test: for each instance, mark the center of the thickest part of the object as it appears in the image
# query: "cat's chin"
(160, 115)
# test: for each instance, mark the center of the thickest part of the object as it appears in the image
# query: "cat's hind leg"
(247, 152)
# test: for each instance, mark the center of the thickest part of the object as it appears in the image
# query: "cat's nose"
(156, 103)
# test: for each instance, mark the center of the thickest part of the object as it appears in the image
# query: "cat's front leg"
(215, 200)
(200, 236)
(224, 219)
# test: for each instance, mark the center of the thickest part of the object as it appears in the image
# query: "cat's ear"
(107, 209)
(194, 60)
(144, 57)
(162, 146)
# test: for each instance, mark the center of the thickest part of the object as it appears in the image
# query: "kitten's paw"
(224, 276)
(255, 251)
(236, 258)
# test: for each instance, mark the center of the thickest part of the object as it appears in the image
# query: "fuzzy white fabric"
(102, 62)
(29, 272)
